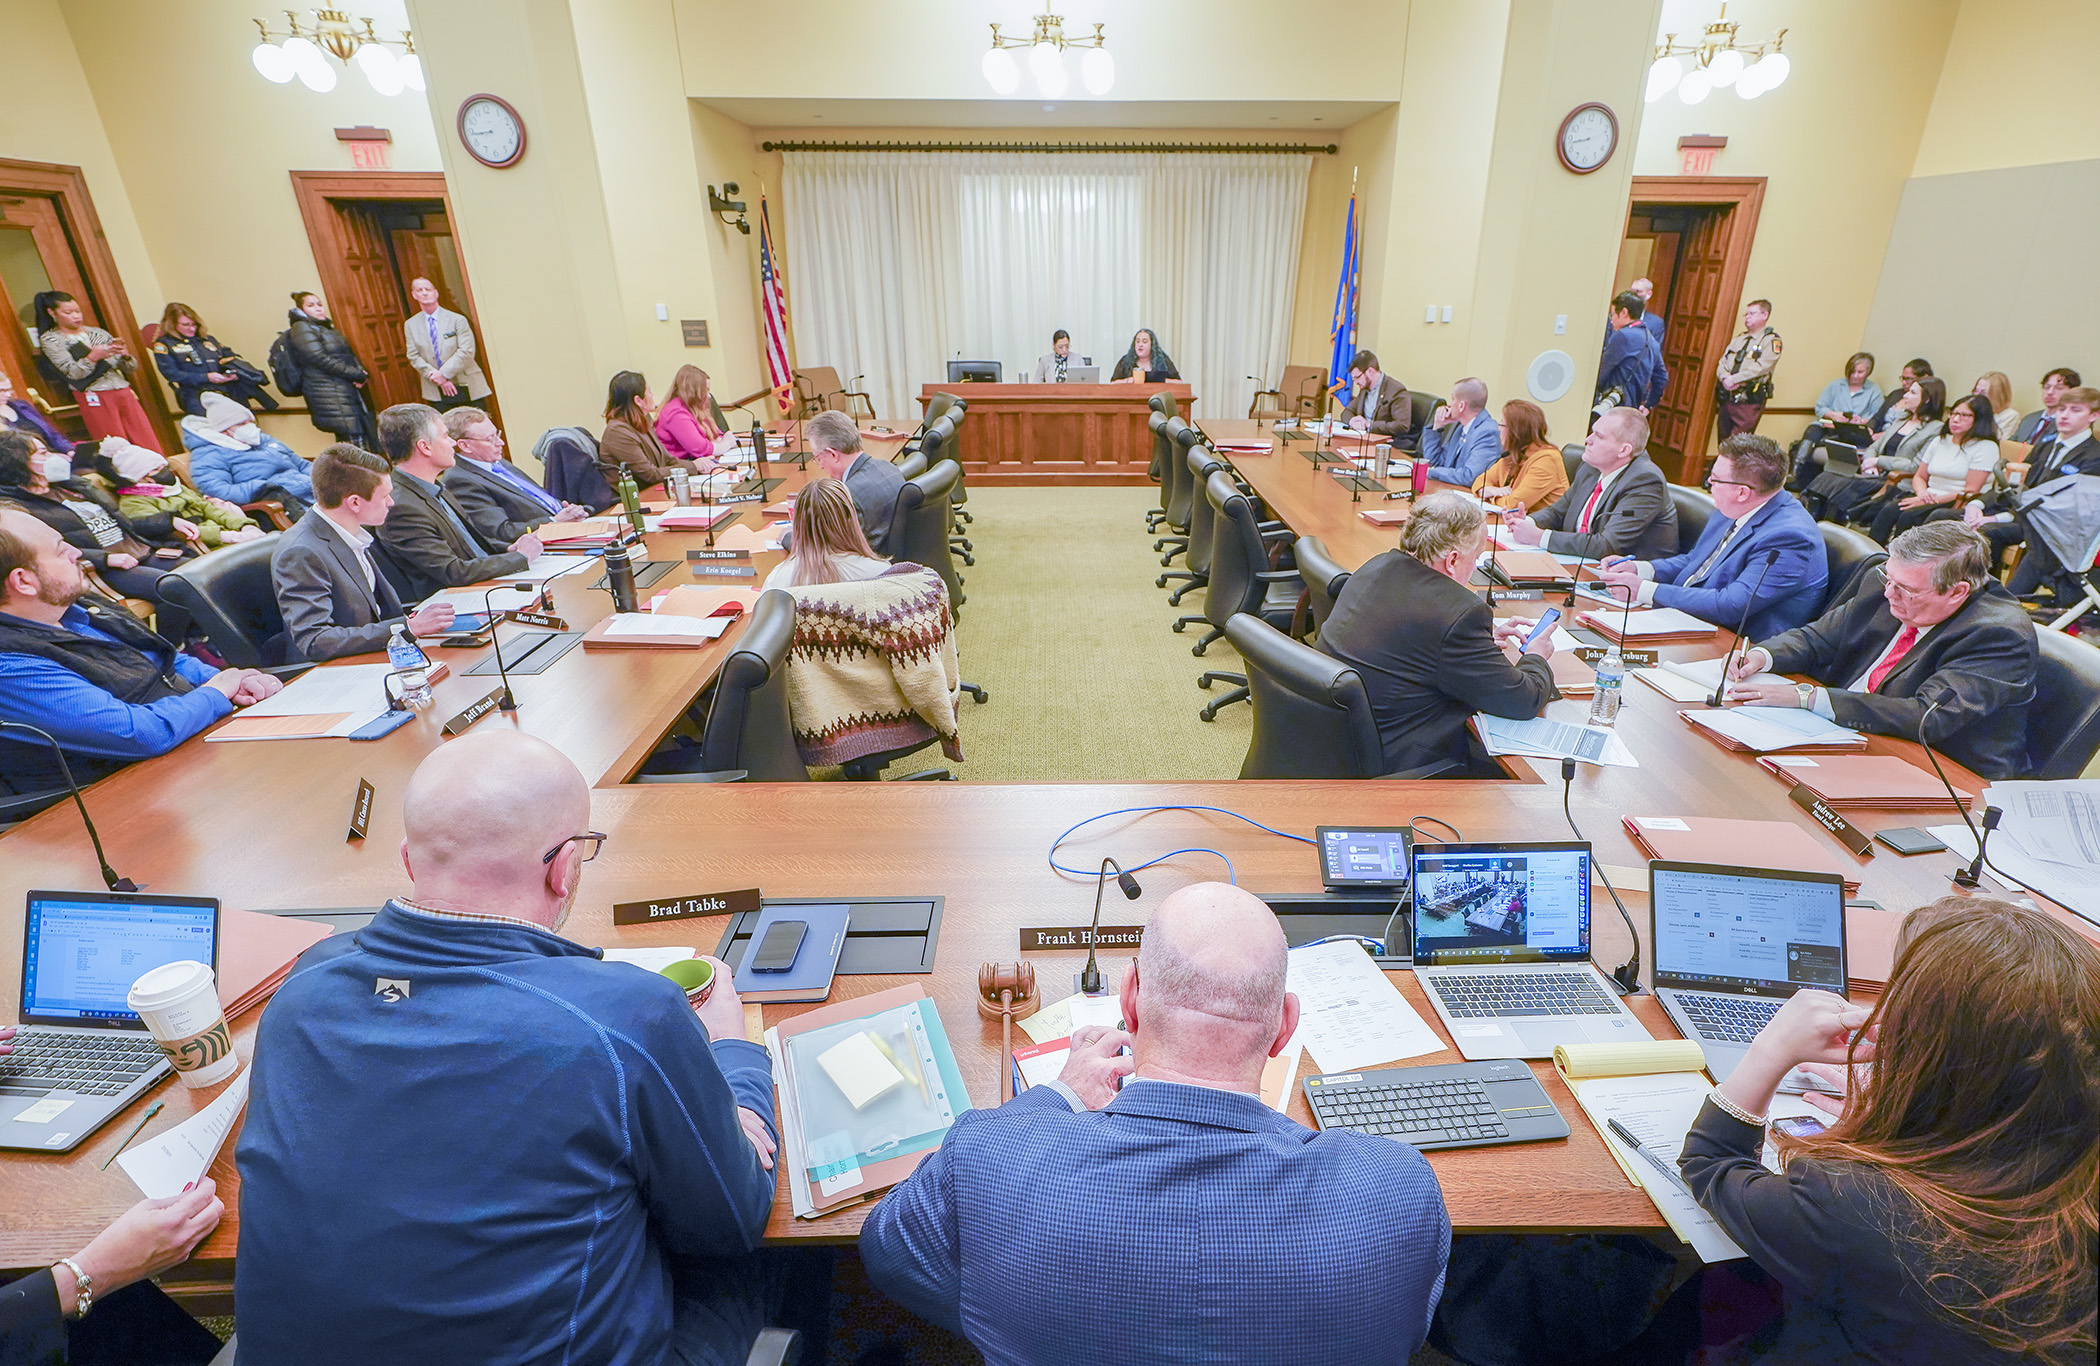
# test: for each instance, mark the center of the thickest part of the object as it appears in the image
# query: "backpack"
(284, 366)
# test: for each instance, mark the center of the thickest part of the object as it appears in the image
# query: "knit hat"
(132, 463)
(222, 414)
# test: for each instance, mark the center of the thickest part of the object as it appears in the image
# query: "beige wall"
(2017, 90)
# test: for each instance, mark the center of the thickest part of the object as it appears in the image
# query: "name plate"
(458, 724)
(1847, 834)
(723, 571)
(686, 907)
(546, 619)
(1080, 937)
(361, 810)
(1635, 659)
(1519, 594)
(696, 555)
(730, 499)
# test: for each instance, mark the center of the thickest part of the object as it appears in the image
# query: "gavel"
(1005, 992)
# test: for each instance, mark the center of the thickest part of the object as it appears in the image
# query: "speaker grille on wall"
(1551, 375)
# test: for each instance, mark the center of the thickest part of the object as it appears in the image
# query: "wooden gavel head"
(1006, 989)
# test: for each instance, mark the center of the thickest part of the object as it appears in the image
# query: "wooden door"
(367, 300)
(35, 256)
(1678, 426)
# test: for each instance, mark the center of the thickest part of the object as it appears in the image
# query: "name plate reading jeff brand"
(459, 723)
(361, 810)
(693, 556)
(1080, 936)
(686, 907)
(1847, 834)
(546, 619)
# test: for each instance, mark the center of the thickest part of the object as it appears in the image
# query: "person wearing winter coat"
(194, 363)
(230, 458)
(151, 496)
(20, 415)
(331, 376)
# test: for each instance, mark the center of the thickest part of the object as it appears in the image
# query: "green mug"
(695, 975)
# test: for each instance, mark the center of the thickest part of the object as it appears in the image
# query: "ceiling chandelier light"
(1046, 63)
(303, 53)
(1718, 59)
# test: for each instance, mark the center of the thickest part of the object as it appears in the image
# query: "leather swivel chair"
(228, 594)
(937, 405)
(1571, 461)
(919, 533)
(1198, 462)
(1177, 489)
(1312, 717)
(1847, 556)
(748, 734)
(1158, 471)
(913, 465)
(1240, 581)
(2063, 724)
(1695, 508)
(1419, 406)
(1323, 577)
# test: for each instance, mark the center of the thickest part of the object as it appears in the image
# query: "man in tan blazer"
(441, 348)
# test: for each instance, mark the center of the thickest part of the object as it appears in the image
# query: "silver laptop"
(1732, 944)
(1502, 949)
(1082, 374)
(82, 1055)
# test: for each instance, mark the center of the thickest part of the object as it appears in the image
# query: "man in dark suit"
(424, 538)
(873, 483)
(1760, 545)
(2037, 425)
(1187, 1220)
(1942, 633)
(1429, 651)
(2067, 446)
(498, 501)
(1378, 403)
(333, 599)
(1651, 318)
(1617, 504)
(1628, 369)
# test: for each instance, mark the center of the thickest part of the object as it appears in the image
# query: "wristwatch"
(1807, 693)
(83, 1287)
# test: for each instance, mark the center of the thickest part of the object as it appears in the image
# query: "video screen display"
(1736, 929)
(1484, 904)
(1364, 858)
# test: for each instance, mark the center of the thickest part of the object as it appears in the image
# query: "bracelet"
(1734, 1111)
(83, 1287)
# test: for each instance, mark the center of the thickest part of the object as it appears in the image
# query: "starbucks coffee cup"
(179, 1003)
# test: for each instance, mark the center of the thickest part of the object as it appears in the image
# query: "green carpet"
(1067, 633)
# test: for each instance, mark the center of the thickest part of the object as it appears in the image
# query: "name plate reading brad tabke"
(1081, 936)
(686, 907)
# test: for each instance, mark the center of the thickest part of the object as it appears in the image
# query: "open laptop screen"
(1482, 904)
(81, 951)
(1730, 929)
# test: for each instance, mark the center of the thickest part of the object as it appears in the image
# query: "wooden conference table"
(1091, 434)
(261, 826)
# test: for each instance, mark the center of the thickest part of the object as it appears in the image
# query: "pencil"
(918, 1072)
(151, 1111)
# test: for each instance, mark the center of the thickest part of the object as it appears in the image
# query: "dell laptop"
(1502, 949)
(1732, 944)
(82, 1054)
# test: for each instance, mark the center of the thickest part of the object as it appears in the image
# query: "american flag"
(773, 301)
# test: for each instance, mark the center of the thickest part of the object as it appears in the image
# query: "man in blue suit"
(1755, 520)
(1462, 438)
(1184, 1219)
(1630, 371)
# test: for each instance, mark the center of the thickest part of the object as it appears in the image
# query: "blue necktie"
(526, 486)
(432, 320)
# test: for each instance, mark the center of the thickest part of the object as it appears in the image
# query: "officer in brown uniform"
(1745, 371)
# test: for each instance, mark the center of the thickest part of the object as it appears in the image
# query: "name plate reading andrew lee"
(685, 907)
(1847, 834)
(1081, 936)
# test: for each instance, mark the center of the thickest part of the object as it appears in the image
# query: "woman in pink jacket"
(686, 422)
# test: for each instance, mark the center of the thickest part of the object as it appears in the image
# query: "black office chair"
(1312, 718)
(748, 735)
(940, 403)
(1240, 581)
(1847, 556)
(1157, 471)
(2063, 724)
(569, 463)
(919, 533)
(1323, 578)
(1419, 406)
(229, 596)
(913, 465)
(1695, 508)
(958, 542)
(1177, 488)
(1571, 460)
(1202, 462)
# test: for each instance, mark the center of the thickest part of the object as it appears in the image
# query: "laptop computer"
(82, 1054)
(1732, 944)
(1502, 949)
(1082, 374)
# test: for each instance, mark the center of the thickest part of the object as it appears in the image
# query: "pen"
(151, 1111)
(918, 1072)
(1626, 1136)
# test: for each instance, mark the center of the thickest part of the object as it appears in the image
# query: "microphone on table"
(1627, 976)
(1728, 660)
(1972, 876)
(65, 770)
(1090, 976)
(508, 703)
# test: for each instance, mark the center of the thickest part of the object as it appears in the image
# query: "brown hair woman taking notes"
(1529, 474)
(830, 546)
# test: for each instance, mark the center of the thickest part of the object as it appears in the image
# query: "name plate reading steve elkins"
(1081, 936)
(685, 907)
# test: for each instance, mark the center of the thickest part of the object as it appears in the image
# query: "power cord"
(1628, 974)
(1230, 873)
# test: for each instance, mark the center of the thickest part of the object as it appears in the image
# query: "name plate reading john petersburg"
(1081, 936)
(686, 907)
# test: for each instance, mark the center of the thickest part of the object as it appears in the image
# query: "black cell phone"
(1909, 839)
(1799, 1126)
(777, 951)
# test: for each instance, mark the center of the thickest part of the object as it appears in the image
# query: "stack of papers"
(1350, 1015)
(329, 701)
(172, 1161)
(256, 953)
(1759, 730)
(1545, 738)
(1648, 625)
(1880, 782)
(1694, 682)
(2049, 837)
(544, 568)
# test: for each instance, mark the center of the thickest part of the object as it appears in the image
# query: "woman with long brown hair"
(829, 545)
(629, 444)
(1530, 473)
(1948, 1214)
(686, 423)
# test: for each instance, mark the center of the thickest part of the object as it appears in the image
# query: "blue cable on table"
(1230, 873)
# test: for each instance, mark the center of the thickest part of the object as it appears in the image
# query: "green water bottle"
(631, 499)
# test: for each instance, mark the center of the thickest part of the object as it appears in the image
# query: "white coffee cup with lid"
(179, 1003)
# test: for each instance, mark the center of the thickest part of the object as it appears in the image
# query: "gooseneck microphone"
(1969, 878)
(1627, 976)
(1728, 660)
(1090, 976)
(65, 770)
(508, 703)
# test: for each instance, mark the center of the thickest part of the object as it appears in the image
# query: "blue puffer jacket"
(239, 476)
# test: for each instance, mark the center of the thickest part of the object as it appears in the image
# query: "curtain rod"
(1239, 147)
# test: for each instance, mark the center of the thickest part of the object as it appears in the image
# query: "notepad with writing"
(1736, 843)
(1761, 730)
(1649, 626)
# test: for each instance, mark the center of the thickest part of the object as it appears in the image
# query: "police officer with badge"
(1745, 371)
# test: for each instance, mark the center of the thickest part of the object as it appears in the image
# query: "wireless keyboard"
(1454, 1105)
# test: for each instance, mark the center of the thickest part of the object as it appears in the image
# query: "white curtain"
(898, 262)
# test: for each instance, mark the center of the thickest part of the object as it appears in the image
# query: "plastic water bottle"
(404, 654)
(1611, 674)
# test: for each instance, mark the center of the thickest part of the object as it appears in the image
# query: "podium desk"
(1086, 434)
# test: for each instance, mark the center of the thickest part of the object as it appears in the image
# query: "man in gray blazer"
(424, 540)
(1618, 504)
(333, 600)
(873, 483)
(1051, 369)
(441, 348)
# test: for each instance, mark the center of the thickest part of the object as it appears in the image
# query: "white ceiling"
(1262, 117)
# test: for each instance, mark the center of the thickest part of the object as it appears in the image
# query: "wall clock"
(491, 131)
(1588, 137)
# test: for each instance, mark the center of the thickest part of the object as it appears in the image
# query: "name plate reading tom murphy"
(685, 907)
(1081, 936)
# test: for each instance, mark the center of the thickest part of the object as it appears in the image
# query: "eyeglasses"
(1735, 483)
(1907, 594)
(591, 840)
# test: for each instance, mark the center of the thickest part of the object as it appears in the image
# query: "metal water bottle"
(619, 577)
(681, 486)
(631, 499)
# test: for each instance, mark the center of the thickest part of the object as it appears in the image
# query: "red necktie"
(1582, 523)
(1905, 638)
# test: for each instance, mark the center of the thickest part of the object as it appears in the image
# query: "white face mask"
(58, 468)
(247, 434)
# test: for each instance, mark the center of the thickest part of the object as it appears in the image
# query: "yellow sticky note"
(858, 1068)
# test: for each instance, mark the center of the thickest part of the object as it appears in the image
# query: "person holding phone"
(96, 365)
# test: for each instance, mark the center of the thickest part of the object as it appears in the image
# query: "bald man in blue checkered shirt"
(1178, 1219)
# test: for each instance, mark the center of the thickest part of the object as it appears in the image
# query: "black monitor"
(973, 372)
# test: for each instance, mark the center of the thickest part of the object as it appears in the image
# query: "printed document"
(1349, 1014)
(171, 1161)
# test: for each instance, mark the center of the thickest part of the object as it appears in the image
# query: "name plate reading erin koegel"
(723, 571)
(1081, 936)
(685, 907)
(718, 554)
